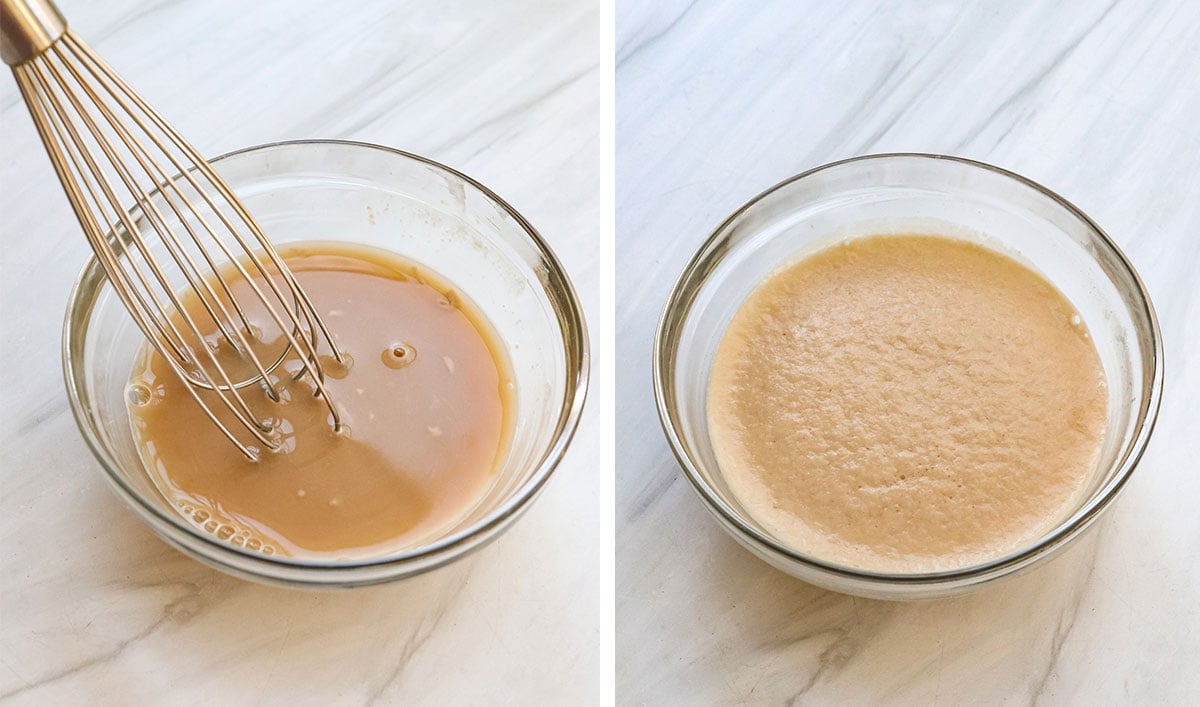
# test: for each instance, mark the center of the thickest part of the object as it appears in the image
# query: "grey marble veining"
(716, 102)
(93, 608)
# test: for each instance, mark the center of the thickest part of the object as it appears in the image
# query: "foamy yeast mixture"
(426, 402)
(906, 404)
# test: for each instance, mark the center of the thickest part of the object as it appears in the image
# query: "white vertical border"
(604, 347)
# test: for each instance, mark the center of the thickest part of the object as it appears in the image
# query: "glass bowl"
(429, 213)
(906, 193)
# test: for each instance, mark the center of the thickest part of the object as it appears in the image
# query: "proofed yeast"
(906, 404)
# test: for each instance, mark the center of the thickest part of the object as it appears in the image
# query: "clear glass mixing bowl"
(429, 213)
(906, 193)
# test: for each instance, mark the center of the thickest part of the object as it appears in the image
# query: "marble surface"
(93, 608)
(1097, 100)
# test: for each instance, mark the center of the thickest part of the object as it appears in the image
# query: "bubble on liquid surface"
(287, 445)
(138, 395)
(233, 533)
(399, 355)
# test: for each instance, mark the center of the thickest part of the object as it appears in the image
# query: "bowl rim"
(1064, 531)
(570, 318)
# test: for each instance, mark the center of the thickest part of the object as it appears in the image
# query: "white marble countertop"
(93, 608)
(1096, 100)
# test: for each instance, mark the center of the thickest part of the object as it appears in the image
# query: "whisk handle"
(28, 28)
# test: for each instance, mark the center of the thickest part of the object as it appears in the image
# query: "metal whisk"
(109, 148)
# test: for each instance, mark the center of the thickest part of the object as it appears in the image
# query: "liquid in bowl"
(426, 399)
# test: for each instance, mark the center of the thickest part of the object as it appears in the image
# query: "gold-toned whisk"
(187, 238)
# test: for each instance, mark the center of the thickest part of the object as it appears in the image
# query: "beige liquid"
(906, 404)
(426, 402)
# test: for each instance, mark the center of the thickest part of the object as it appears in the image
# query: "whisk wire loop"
(105, 143)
